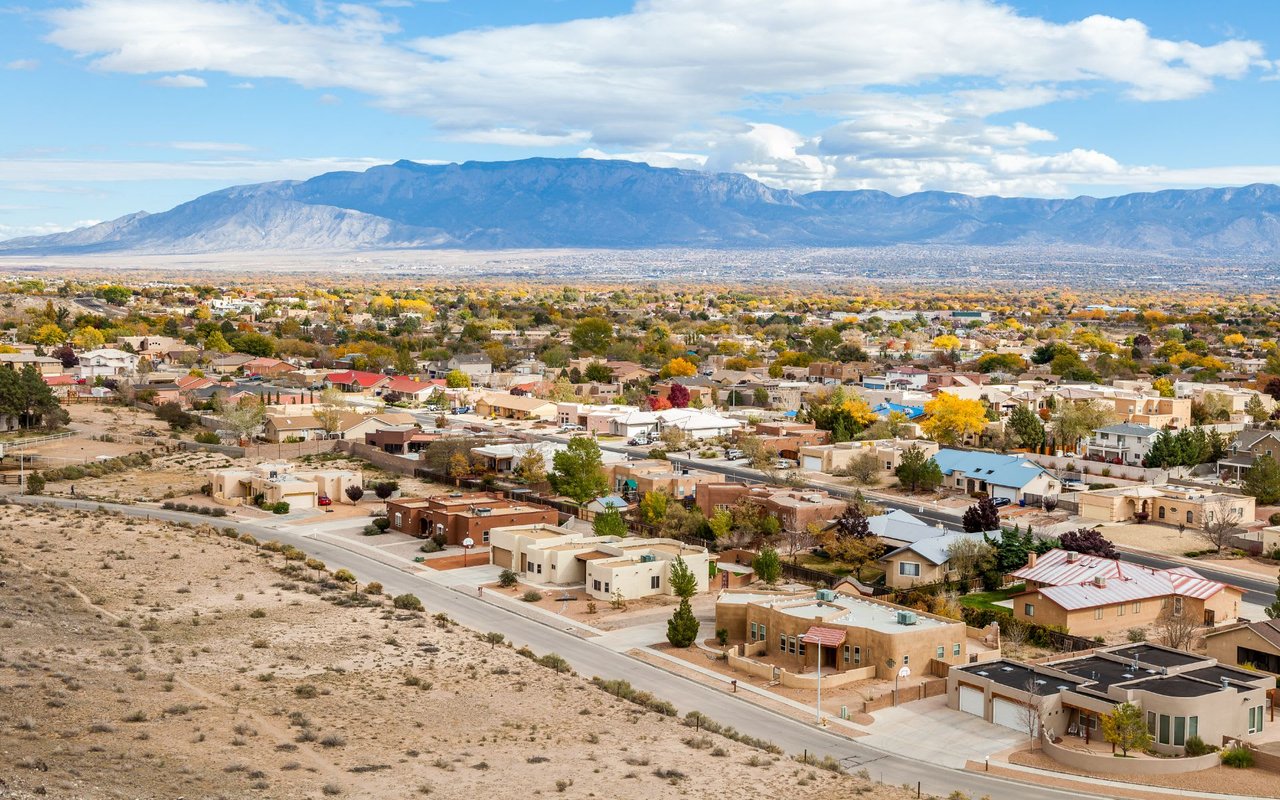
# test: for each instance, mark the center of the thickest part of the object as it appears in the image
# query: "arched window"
(1161, 512)
(1189, 517)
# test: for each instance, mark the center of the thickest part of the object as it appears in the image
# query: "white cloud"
(328, 99)
(683, 81)
(180, 82)
(23, 64)
(242, 85)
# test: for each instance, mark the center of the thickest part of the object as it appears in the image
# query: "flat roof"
(843, 610)
(1177, 686)
(1104, 672)
(1218, 672)
(1158, 656)
(1020, 676)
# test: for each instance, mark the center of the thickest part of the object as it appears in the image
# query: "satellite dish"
(468, 542)
(905, 672)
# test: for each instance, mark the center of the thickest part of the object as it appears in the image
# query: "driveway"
(928, 731)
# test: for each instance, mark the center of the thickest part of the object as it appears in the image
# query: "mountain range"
(586, 203)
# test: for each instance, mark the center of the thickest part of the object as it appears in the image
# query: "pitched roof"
(935, 548)
(826, 637)
(355, 377)
(1074, 585)
(405, 384)
(1001, 470)
(1129, 429)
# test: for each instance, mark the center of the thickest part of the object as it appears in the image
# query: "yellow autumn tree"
(679, 368)
(946, 341)
(1233, 340)
(49, 334)
(859, 411)
(949, 419)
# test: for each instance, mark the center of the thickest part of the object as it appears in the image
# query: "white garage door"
(813, 463)
(1009, 714)
(973, 701)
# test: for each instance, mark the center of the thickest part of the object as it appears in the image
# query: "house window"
(1255, 719)
(1151, 723)
(1097, 613)
(782, 643)
(1161, 512)
(753, 631)
(801, 646)
(762, 633)
(847, 654)
(1120, 610)
(910, 569)
(606, 585)
(1179, 731)
(906, 660)
(1193, 726)
(484, 537)
(1163, 736)
(654, 582)
(1137, 608)
(955, 649)
(791, 645)
(399, 521)
(857, 655)
(595, 585)
(1177, 606)
(1028, 610)
(942, 652)
(1190, 517)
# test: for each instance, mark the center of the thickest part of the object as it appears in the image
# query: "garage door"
(973, 701)
(813, 463)
(1009, 714)
(501, 557)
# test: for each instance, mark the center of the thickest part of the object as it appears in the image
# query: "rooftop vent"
(1100, 581)
(483, 512)
(1072, 556)
(1006, 669)
(1226, 683)
(827, 595)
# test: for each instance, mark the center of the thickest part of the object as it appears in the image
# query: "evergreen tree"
(683, 582)
(1262, 481)
(609, 523)
(682, 628)
(918, 472)
(1028, 426)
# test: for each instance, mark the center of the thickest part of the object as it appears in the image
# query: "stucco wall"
(1107, 764)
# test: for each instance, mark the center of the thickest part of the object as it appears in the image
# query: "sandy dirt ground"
(1156, 538)
(602, 613)
(146, 660)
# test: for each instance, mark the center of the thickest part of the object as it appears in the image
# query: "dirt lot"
(176, 475)
(1154, 537)
(144, 660)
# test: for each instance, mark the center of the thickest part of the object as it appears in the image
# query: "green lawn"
(870, 572)
(988, 600)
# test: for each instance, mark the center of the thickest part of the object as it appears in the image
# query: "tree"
(243, 417)
(592, 335)
(531, 467)
(49, 334)
(682, 628)
(678, 368)
(678, 395)
(457, 379)
(579, 471)
(354, 493)
(1175, 627)
(950, 419)
(1221, 521)
(971, 557)
(918, 472)
(255, 344)
(683, 582)
(981, 516)
(598, 372)
(1075, 421)
(66, 355)
(1125, 726)
(459, 465)
(767, 565)
(864, 469)
(1000, 362)
(1262, 482)
(721, 523)
(88, 338)
(384, 489)
(653, 507)
(1256, 410)
(1089, 542)
(609, 523)
(177, 419)
(1027, 426)
(217, 343)
(329, 409)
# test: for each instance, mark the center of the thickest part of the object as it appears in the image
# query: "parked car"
(1000, 502)
(323, 500)
(570, 428)
(734, 454)
(785, 463)
(638, 441)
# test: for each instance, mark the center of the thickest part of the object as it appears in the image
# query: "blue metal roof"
(1012, 471)
(885, 409)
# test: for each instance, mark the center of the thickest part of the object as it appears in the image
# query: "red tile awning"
(827, 637)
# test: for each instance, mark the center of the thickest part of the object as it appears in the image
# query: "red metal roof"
(827, 637)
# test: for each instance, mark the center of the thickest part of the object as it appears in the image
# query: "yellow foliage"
(859, 411)
(679, 368)
(1233, 340)
(950, 418)
(946, 341)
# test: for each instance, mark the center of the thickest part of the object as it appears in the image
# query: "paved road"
(590, 658)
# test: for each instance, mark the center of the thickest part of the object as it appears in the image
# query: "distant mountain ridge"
(586, 203)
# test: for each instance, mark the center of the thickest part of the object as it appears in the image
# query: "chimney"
(1031, 560)
(1100, 581)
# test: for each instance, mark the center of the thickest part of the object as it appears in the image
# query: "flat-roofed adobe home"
(859, 633)
(1166, 504)
(280, 482)
(606, 566)
(459, 516)
(510, 406)
(1180, 694)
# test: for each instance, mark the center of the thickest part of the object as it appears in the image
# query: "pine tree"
(683, 582)
(1262, 481)
(682, 628)
(1028, 426)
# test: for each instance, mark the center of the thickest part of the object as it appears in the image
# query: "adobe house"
(459, 516)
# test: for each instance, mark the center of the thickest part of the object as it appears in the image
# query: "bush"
(554, 661)
(1274, 519)
(508, 578)
(280, 508)
(344, 576)
(373, 587)
(207, 437)
(1196, 747)
(428, 546)
(306, 691)
(381, 523)
(1238, 757)
(531, 596)
(440, 540)
(35, 483)
(1136, 635)
(407, 602)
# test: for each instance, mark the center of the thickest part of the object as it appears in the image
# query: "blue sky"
(114, 106)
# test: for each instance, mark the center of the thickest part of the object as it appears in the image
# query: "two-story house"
(1123, 443)
(1248, 446)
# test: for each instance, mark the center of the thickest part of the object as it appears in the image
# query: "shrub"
(354, 493)
(407, 602)
(508, 578)
(440, 540)
(207, 437)
(554, 661)
(306, 691)
(1136, 635)
(35, 483)
(344, 576)
(167, 505)
(248, 538)
(385, 489)
(280, 508)
(1238, 757)
(373, 587)
(429, 546)
(1196, 747)
(531, 596)
(381, 523)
